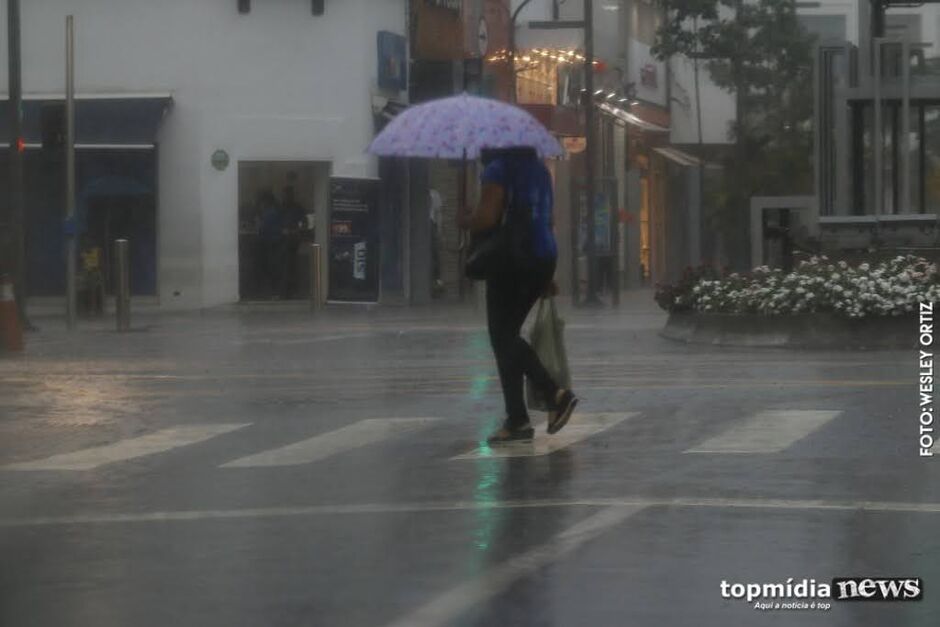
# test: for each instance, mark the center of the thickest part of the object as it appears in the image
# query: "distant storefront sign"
(643, 63)
(393, 61)
(354, 240)
(220, 160)
(575, 145)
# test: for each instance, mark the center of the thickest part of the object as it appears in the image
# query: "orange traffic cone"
(11, 334)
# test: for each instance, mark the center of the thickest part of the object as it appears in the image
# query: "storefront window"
(932, 159)
(279, 205)
(537, 77)
(116, 199)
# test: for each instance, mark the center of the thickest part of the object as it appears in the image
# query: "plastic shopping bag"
(547, 338)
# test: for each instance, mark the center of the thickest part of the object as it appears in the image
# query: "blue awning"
(106, 120)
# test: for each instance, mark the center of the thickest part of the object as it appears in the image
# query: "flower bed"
(818, 285)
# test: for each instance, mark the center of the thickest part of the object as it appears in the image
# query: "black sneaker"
(505, 434)
(562, 413)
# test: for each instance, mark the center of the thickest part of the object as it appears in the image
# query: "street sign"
(354, 240)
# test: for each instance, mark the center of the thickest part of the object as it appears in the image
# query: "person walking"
(515, 180)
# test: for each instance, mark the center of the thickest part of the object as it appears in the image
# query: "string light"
(546, 54)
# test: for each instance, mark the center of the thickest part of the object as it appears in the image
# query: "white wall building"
(277, 84)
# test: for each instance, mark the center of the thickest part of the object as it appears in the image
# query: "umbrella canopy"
(459, 127)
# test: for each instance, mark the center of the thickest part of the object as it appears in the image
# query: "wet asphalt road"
(251, 466)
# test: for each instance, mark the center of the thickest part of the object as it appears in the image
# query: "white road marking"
(446, 608)
(767, 432)
(463, 506)
(123, 450)
(580, 427)
(326, 445)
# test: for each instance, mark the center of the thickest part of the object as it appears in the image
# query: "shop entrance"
(282, 207)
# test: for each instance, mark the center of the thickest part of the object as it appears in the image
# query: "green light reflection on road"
(489, 470)
(486, 493)
(478, 348)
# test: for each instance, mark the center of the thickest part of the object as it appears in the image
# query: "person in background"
(90, 280)
(271, 235)
(435, 209)
(293, 220)
(515, 179)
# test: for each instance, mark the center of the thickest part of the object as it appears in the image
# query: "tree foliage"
(758, 50)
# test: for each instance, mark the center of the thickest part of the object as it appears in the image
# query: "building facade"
(188, 112)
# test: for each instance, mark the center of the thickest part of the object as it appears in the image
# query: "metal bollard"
(316, 282)
(122, 287)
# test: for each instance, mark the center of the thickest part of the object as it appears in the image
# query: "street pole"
(512, 49)
(71, 232)
(17, 201)
(591, 297)
(122, 285)
(316, 284)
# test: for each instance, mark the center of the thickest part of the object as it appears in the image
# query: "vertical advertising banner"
(354, 240)
(605, 203)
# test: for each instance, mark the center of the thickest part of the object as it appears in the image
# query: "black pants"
(508, 301)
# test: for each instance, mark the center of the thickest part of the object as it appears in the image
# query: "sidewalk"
(637, 310)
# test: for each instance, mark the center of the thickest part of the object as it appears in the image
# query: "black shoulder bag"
(506, 247)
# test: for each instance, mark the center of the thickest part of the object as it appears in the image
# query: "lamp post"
(512, 48)
(590, 298)
(18, 230)
(588, 25)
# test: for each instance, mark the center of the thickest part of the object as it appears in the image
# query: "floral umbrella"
(459, 127)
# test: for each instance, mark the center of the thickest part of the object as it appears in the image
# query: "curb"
(795, 331)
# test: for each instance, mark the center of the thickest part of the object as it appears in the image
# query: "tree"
(758, 50)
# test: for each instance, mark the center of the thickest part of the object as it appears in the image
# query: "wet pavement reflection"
(367, 511)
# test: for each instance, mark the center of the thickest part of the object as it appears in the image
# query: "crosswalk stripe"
(581, 427)
(320, 447)
(123, 450)
(767, 432)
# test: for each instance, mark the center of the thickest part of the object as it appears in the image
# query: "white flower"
(835, 276)
(843, 265)
(864, 267)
